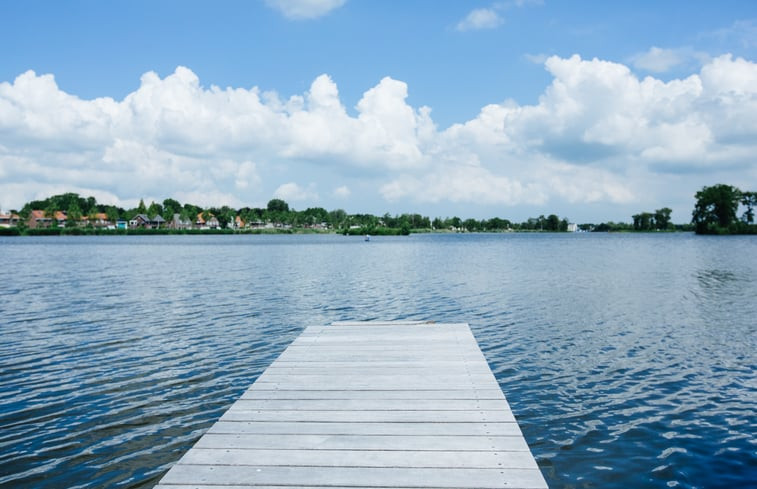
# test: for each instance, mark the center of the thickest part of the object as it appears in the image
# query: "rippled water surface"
(629, 360)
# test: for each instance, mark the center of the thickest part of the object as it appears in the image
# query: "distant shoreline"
(294, 231)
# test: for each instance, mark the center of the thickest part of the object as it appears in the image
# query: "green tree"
(73, 214)
(662, 218)
(277, 205)
(50, 211)
(192, 211)
(224, 215)
(141, 209)
(470, 225)
(315, 215)
(337, 218)
(171, 207)
(497, 224)
(643, 222)
(154, 210)
(91, 205)
(186, 217)
(748, 200)
(112, 213)
(552, 223)
(715, 209)
(92, 217)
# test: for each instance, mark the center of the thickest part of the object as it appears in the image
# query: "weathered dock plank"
(366, 458)
(252, 475)
(263, 392)
(365, 442)
(366, 429)
(381, 404)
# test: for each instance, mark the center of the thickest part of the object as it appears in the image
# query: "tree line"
(657, 221)
(716, 212)
(279, 212)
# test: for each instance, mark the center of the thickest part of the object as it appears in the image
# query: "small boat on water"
(367, 237)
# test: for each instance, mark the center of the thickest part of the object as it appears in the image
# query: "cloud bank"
(598, 135)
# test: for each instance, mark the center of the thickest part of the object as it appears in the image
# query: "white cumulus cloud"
(293, 192)
(305, 9)
(342, 192)
(598, 135)
(480, 18)
(657, 60)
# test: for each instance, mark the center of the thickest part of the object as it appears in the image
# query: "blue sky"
(591, 110)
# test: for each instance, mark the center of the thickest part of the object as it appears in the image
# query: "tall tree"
(337, 217)
(112, 214)
(715, 209)
(171, 207)
(662, 218)
(50, 214)
(644, 221)
(277, 205)
(91, 204)
(154, 210)
(552, 223)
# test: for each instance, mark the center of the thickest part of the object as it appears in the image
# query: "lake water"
(629, 359)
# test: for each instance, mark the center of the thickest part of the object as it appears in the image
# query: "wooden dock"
(367, 405)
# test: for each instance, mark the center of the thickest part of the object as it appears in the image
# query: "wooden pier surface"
(367, 405)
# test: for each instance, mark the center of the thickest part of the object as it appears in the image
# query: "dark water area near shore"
(629, 360)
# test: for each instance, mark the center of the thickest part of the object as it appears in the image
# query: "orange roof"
(60, 216)
(100, 216)
(37, 214)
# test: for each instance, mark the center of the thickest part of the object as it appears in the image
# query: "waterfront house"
(142, 221)
(158, 222)
(9, 220)
(238, 223)
(99, 220)
(213, 223)
(207, 221)
(38, 219)
(178, 223)
(139, 221)
(61, 217)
